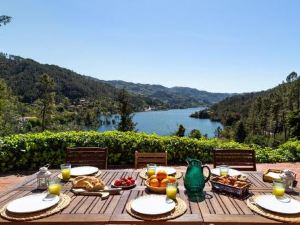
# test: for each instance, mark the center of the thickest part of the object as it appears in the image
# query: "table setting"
(34, 206)
(162, 203)
(159, 197)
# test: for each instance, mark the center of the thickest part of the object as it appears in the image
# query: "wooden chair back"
(87, 156)
(236, 159)
(143, 158)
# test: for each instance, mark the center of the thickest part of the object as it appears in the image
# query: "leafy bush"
(32, 150)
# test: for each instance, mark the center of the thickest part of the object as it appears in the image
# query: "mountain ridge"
(180, 95)
(22, 74)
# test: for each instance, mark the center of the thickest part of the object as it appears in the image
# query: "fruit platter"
(124, 183)
(235, 185)
(157, 183)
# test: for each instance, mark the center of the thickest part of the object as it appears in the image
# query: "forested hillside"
(22, 75)
(176, 97)
(268, 118)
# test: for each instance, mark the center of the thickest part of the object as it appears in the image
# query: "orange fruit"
(154, 182)
(153, 177)
(161, 174)
(172, 179)
(164, 182)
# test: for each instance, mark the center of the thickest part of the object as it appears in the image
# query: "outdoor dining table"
(215, 209)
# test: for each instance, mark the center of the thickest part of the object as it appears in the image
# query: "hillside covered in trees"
(267, 118)
(175, 97)
(22, 75)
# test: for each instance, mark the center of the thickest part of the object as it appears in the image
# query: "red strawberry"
(118, 183)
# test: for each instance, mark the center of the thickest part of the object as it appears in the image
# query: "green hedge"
(29, 151)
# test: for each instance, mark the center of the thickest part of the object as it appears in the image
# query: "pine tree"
(181, 130)
(294, 124)
(240, 133)
(125, 111)
(46, 99)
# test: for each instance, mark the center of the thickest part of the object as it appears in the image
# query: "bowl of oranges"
(157, 183)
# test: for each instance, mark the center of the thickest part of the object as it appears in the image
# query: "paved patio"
(10, 180)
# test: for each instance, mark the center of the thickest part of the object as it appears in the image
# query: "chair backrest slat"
(237, 159)
(87, 156)
(143, 158)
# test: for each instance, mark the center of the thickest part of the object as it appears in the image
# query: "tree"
(240, 133)
(46, 89)
(294, 124)
(181, 130)
(125, 111)
(291, 77)
(218, 132)
(195, 134)
(4, 20)
(8, 110)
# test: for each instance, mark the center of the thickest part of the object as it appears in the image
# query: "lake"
(166, 122)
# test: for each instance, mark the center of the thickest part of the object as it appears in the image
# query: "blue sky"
(219, 46)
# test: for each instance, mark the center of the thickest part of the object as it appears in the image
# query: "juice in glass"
(224, 170)
(278, 188)
(171, 190)
(65, 171)
(151, 169)
(54, 187)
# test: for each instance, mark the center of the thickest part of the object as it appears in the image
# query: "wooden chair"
(142, 159)
(236, 159)
(87, 156)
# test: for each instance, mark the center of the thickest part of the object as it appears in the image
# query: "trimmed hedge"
(32, 150)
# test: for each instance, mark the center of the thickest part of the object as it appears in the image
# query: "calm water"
(167, 122)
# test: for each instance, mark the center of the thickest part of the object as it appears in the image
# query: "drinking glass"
(278, 188)
(151, 169)
(54, 187)
(65, 171)
(224, 170)
(171, 190)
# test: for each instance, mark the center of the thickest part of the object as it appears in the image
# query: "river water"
(166, 122)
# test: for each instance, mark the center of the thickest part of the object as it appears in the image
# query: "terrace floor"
(10, 180)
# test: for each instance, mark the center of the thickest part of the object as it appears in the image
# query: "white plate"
(152, 205)
(169, 170)
(271, 203)
(32, 203)
(83, 171)
(231, 172)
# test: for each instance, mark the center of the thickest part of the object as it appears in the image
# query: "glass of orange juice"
(224, 170)
(171, 191)
(54, 187)
(151, 169)
(65, 171)
(278, 188)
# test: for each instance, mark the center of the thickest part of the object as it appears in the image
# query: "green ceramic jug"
(194, 180)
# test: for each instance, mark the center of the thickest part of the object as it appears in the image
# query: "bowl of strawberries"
(124, 183)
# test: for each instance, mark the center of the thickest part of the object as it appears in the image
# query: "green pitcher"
(194, 180)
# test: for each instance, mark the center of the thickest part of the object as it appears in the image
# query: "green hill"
(268, 117)
(175, 97)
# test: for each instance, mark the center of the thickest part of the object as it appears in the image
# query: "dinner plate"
(152, 205)
(32, 203)
(83, 171)
(271, 203)
(169, 170)
(231, 172)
